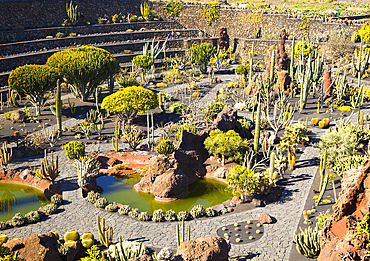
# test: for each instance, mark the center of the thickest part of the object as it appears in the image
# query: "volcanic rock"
(170, 184)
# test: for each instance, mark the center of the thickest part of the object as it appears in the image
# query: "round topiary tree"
(201, 54)
(84, 68)
(34, 81)
(130, 101)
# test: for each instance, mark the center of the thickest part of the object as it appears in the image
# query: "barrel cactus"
(18, 220)
(92, 197)
(210, 212)
(198, 211)
(124, 210)
(50, 209)
(143, 216)
(32, 217)
(111, 208)
(101, 203)
(158, 215)
(56, 199)
(183, 215)
(170, 215)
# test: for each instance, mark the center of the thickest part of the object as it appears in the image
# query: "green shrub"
(120, 167)
(127, 51)
(172, 8)
(74, 150)
(344, 164)
(35, 81)
(165, 147)
(101, 203)
(124, 210)
(364, 33)
(56, 199)
(308, 49)
(210, 11)
(242, 69)
(355, 37)
(59, 35)
(158, 215)
(4, 251)
(133, 18)
(170, 215)
(177, 107)
(84, 68)
(241, 180)
(212, 110)
(130, 101)
(201, 54)
(226, 145)
(125, 81)
(111, 208)
(7, 115)
(92, 197)
(143, 61)
(50, 209)
(198, 211)
(32, 217)
(187, 127)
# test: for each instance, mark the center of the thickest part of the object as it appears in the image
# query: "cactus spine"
(258, 128)
(308, 242)
(181, 236)
(58, 107)
(72, 13)
(5, 156)
(105, 232)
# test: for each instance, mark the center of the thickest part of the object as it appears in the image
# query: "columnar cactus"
(257, 128)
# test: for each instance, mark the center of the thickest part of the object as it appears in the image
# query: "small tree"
(84, 68)
(201, 54)
(228, 144)
(130, 101)
(241, 180)
(35, 81)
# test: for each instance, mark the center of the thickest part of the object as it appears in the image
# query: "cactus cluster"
(210, 212)
(158, 215)
(124, 210)
(49, 170)
(134, 213)
(223, 211)
(170, 215)
(5, 156)
(308, 242)
(92, 197)
(105, 232)
(346, 163)
(18, 220)
(181, 236)
(56, 199)
(50, 209)
(143, 216)
(165, 147)
(32, 217)
(101, 203)
(72, 13)
(63, 250)
(198, 211)
(3, 225)
(111, 208)
(182, 215)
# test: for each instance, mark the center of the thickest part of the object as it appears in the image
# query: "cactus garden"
(140, 137)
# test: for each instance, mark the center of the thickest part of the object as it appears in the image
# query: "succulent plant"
(63, 250)
(87, 234)
(198, 211)
(32, 217)
(134, 212)
(158, 215)
(71, 235)
(18, 220)
(101, 203)
(87, 242)
(182, 215)
(124, 210)
(143, 216)
(210, 212)
(56, 199)
(3, 225)
(111, 208)
(170, 215)
(92, 197)
(223, 211)
(3, 239)
(50, 209)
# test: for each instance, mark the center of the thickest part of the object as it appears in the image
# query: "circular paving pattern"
(242, 233)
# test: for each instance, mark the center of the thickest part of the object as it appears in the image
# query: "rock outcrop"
(226, 119)
(170, 184)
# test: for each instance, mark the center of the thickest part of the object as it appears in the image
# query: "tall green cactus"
(72, 14)
(257, 128)
(58, 107)
(362, 63)
(324, 179)
(308, 242)
(317, 70)
(145, 12)
(272, 68)
(291, 70)
(304, 73)
(105, 233)
(181, 236)
(251, 55)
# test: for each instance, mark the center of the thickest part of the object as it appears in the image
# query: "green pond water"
(16, 198)
(207, 192)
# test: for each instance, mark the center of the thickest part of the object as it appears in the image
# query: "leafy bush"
(210, 11)
(111, 207)
(56, 199)
(84, 68)
(143, 62)
(158, 215)
(125, 81)
(344, 164)
(32, 217)
(101, 203)
(165, 147)
(241, 180)
(120, 167)
(198, 211)
(308, 49)
(178, 107)
(143, 216)
(364, 33)
(227, 145)
(201, 54)
(35, 81)
(182, 215)
(127, 51)
(74, 150)
(172, 8)
(212, 110)
(130, 101)
(124, 210)
(50, 209)
(187, 127)
(170, 215)
(92, 197)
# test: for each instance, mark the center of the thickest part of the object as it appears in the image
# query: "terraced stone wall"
(271, 24)
(34, 13)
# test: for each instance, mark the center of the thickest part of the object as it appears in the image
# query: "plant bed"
(242, 233)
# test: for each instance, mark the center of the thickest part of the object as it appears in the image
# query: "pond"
(16, 198)
(205, 191)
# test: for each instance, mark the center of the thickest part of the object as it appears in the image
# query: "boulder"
(159, 165)
(226, 119)
(264, 218)
(36, 247)
(203, 249)
(283, 81)
(18, 116)
(221, 173)
(170, 184)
